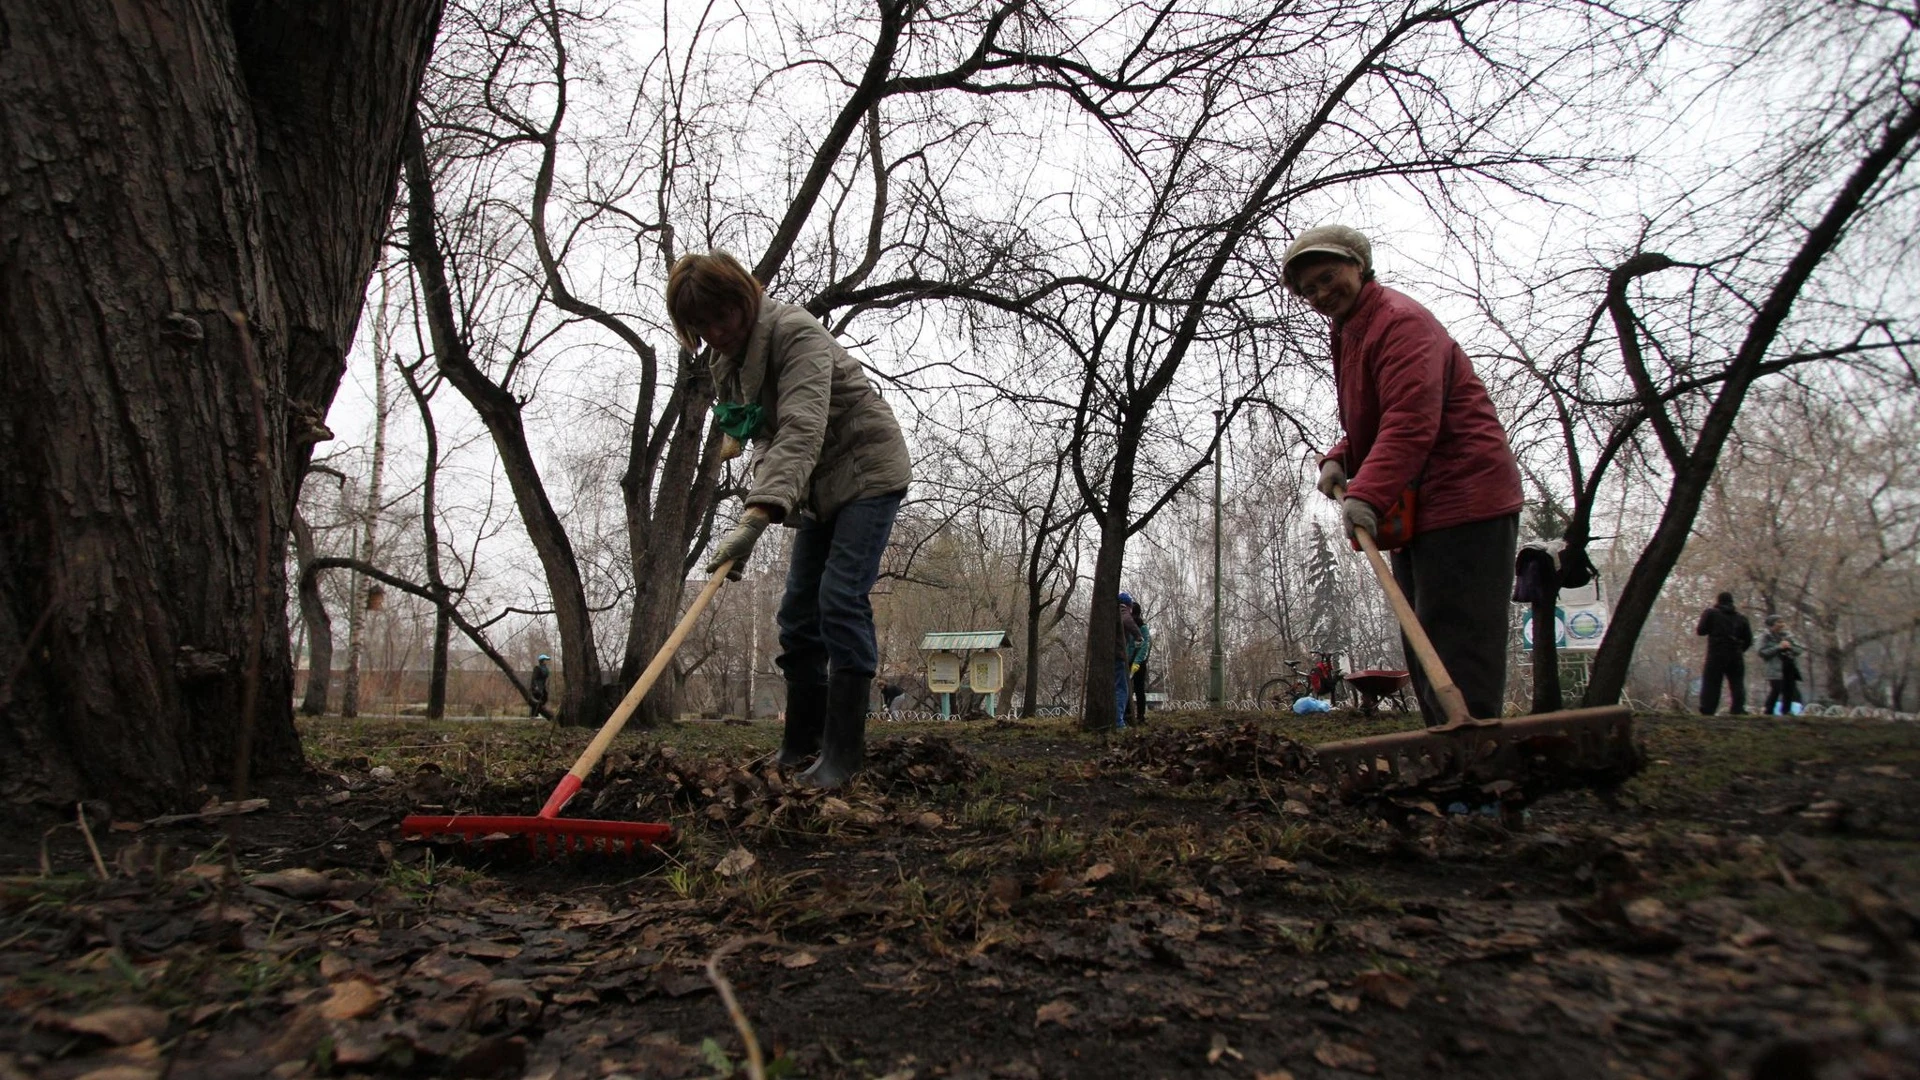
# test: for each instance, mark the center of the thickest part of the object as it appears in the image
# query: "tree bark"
(171, 169)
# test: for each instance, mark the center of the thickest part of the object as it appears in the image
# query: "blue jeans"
(1122, 688)
(826, 620)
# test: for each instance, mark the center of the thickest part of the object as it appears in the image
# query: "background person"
(1779, 654)
(537, 685)
(1141, 650)
(1729, 635)
(1416, 416)
(830, 463)
(1123, 662)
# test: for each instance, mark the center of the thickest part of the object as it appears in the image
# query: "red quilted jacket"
(1392, 364)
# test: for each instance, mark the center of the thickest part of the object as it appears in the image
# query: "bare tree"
(1688, 389)
(216, 194)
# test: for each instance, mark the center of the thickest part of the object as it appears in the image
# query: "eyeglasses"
(1314, 282)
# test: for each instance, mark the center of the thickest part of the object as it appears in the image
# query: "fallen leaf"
(494, 1056)
(441, 966)
(1099, 871)
(1218, 1049)
(1341, 1056)
(1274, 865)
(120, 1024)
(1840, 943)
(300, 883)
(735, 862)
(1055, 1012)
(122, 1072)
(1393, 989)
(1346, 1003)
(1752, 932)
(799, 960)
(492, 950)
(1003, 889)
(351, 1000)
(1277, 1074)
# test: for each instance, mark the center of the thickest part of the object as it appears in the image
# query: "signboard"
(1575, 626)
(943, 672)
(985, 673)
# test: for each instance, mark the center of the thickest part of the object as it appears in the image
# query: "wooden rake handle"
(608, 731)
(1441, 683)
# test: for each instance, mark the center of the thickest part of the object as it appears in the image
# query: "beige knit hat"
(1332, 240)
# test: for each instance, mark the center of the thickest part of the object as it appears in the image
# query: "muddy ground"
(1013, 899)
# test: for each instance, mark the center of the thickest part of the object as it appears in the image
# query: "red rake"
(551, 835)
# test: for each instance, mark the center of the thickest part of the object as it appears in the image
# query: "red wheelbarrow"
(1377, 685)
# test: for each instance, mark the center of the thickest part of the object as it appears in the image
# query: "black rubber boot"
(845, 745)
(806, 719)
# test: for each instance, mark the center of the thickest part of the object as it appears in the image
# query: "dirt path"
(1008, 900)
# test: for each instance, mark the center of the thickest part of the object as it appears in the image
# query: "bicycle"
(1320, 680)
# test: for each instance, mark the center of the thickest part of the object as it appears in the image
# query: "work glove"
(738, 543)
(1134, 670)
(1360, 515)
(1333, 477)
(729, 448)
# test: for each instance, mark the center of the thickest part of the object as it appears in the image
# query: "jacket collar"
(747, 371)
(1370, 294)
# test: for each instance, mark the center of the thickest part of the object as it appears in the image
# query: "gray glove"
(737, 545)
(1333, 475)
(1360, 515)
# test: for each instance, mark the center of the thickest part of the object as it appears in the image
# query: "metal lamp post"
(1217, 676)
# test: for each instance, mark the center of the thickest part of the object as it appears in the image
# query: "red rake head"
(545, 836)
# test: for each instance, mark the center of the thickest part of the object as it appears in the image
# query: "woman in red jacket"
(1415, 415)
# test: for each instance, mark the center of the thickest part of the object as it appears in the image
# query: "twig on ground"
(756, 1062)
(80, 815)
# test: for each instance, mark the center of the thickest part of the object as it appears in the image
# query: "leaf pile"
(754, 794)
(920, 762)
(1210, 755)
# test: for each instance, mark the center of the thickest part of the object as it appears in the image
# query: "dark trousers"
(1784, 693)
(1140, 692)
(1460, 583)
(826, 620)
(1733, 669)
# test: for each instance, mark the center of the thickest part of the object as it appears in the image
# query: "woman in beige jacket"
(830, 462)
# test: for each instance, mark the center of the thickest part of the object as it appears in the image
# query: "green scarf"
(740, 421)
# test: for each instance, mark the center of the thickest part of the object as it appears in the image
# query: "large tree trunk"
(175, 171)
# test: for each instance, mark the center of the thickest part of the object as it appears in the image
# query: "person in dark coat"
(537, 688)
(1729, 635)
(890, 694)
(1123, 662)
(1141, 650)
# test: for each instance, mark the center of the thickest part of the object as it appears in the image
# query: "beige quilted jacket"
(827, 438)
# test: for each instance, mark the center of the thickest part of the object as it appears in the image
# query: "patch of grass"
(1051, 845)
(989, 812)
(420, 879)
(1814, 912)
